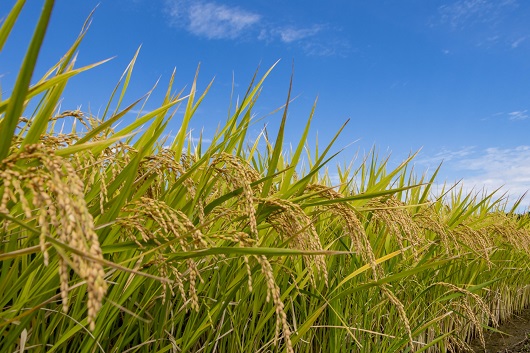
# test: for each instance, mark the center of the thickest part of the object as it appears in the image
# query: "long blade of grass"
(363, 196)
(266, 251)
(95, 146)
(366, 268)
(46, 84)
(106, 124)
(9, 22)
(278, 145)
(104, 262)
(296, 157)
(127, 80)
(14, 110)
(302, 330)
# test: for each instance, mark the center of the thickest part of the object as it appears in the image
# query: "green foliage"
(111, 242)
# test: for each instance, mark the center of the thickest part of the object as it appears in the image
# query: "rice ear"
(53, 190)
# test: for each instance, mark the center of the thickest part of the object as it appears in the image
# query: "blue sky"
(449, 77)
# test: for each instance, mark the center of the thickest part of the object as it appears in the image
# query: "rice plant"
(116, 240)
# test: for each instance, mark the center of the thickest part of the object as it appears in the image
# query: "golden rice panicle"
(506, 227)
(354, 227)
(78, 230)
(391, 213)
(173, 224)
(64, 278)
(57, 194)
(239, 174)
(429, 220)
(93, 171)
(194, 274)
(475, 238)
(166, 171)
(401, 311)
(477, 310)
(162, 267)
(12, 186)
(77, 114)
(291, 221)
(249, 273)
(7, 194)
(114, 159)
(273, 291)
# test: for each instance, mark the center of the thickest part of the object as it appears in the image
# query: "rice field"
(118, 240)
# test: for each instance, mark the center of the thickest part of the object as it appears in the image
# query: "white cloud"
(292, 34)
(516, 115)
(445, 156)
(507, 168)
(465, 13)
(212, 20)
(287, 34)
(327, 48)
(490, 169)
(314, 40)
(519, 115)
(516, 43)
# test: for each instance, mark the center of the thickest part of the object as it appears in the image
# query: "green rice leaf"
(9, 22)
(14, 109)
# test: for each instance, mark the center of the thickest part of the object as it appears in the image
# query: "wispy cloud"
(519, 115)
(491, 168)
(211, 20)
(487, 23)
(464, 13)
(515, 115)
(445, 155)
(516, 43)
(330, 47)
(314, 40)
(292, 34)
(508, 169)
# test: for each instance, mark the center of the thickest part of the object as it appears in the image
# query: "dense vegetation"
(114, 240)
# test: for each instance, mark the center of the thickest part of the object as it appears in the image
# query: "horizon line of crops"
(119, 241)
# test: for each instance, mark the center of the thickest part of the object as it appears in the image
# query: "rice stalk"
(49, 187)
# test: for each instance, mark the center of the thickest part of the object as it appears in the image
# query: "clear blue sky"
(451, 77)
